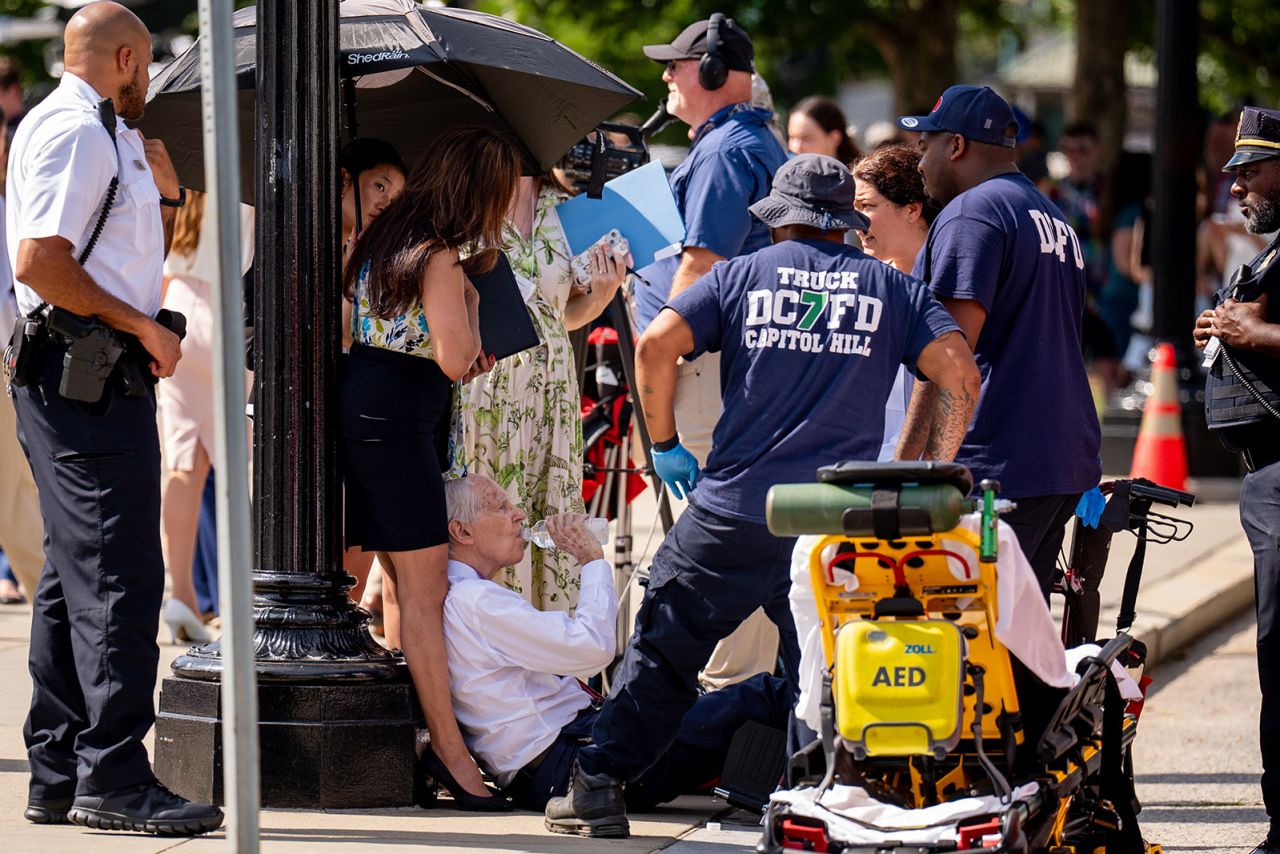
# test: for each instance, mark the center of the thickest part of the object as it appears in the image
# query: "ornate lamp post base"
(322, 746)
(337, 712)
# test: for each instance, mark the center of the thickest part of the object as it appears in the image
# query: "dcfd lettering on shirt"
(1054, 236)
(812, 311)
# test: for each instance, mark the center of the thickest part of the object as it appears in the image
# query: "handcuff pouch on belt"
(22, 356)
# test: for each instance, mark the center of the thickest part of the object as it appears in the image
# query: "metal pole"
(627, 349)
(326, 690)
(1177, 142)
(235, 561)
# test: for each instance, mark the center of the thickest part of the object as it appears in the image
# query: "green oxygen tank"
(792, 509)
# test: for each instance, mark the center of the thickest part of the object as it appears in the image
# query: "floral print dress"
(521, 421)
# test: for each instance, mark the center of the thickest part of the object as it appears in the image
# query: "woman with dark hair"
(415, 331)
(817, 126)
(372, 174)
(889, 192)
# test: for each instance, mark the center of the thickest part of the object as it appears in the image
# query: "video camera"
(592, 162)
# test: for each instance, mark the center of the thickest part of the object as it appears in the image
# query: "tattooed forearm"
(953, 407)
(914, 438)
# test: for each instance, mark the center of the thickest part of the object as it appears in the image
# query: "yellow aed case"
(898, 687)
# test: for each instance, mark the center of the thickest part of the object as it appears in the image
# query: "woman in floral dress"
(521, 420)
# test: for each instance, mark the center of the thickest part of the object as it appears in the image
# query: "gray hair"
(462, 500)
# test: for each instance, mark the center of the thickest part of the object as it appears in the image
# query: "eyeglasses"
(673, 64)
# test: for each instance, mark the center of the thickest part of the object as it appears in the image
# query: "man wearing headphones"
(730, 167)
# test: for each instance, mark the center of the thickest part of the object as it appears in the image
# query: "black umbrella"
(411, 72)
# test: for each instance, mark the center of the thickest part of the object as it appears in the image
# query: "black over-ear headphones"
(712, 71)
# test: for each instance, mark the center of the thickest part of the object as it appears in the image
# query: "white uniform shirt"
(60, 165)
(507, 660)
(8, 305)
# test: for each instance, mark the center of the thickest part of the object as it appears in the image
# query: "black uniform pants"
(1040, 524)
(93, 655)
(1260, 516)
(695, 759)
(709, 575)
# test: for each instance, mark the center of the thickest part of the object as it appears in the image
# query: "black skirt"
(394, 421)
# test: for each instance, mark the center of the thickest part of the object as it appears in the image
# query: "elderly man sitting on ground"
(511, 667)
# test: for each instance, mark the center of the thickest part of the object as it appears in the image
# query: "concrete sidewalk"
(1188, 589)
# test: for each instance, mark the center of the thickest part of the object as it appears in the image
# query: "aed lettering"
(902, 677)
(1054, 234)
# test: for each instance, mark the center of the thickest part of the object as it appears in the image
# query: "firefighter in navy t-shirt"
(1009, 268)
(811, 333)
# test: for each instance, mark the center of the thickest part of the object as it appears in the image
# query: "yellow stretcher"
(923, 704)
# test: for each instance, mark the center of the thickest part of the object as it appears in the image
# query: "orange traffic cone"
(1161, 452)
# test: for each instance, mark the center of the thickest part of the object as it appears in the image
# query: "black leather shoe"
(146, 808)
(1268, 846)
(593, 806)
(429, 765)
(47, 811)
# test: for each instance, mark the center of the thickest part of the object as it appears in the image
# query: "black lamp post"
(1177, 143)
(337, 714)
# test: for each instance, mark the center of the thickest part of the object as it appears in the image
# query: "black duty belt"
(1260, 457)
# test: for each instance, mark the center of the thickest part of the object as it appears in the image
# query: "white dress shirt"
(508, 663)
(8, 304)
(60, 165)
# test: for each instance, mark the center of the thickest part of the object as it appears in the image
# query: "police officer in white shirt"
(520, 714)
(96, 462)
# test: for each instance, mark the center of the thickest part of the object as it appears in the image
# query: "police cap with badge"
(1257, 137)
(1242, 391)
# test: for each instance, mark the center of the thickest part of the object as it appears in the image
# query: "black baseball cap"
(735, 46)
(974, 112)
(1257, 137)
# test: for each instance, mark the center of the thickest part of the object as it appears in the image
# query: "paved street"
(1196, 755)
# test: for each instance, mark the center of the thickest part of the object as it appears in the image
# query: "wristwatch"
(178, 202)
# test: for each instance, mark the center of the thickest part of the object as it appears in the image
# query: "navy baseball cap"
(974, 112)
(1257, 137)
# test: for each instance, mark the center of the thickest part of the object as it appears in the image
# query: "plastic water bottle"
(540, 537)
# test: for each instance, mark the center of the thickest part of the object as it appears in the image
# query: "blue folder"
(639, 204)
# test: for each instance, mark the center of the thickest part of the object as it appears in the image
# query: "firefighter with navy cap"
(1241, 343)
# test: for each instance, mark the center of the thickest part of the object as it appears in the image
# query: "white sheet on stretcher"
(1023, 622)
(854, 817)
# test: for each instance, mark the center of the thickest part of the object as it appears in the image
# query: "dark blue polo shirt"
(729, 168)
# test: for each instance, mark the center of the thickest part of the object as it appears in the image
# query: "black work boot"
(147, 808)
(47, 810)
(593, 806)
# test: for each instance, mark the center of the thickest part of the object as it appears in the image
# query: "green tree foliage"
(921, 45)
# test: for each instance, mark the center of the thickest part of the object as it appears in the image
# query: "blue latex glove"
(1090, 508)
(678, 469)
